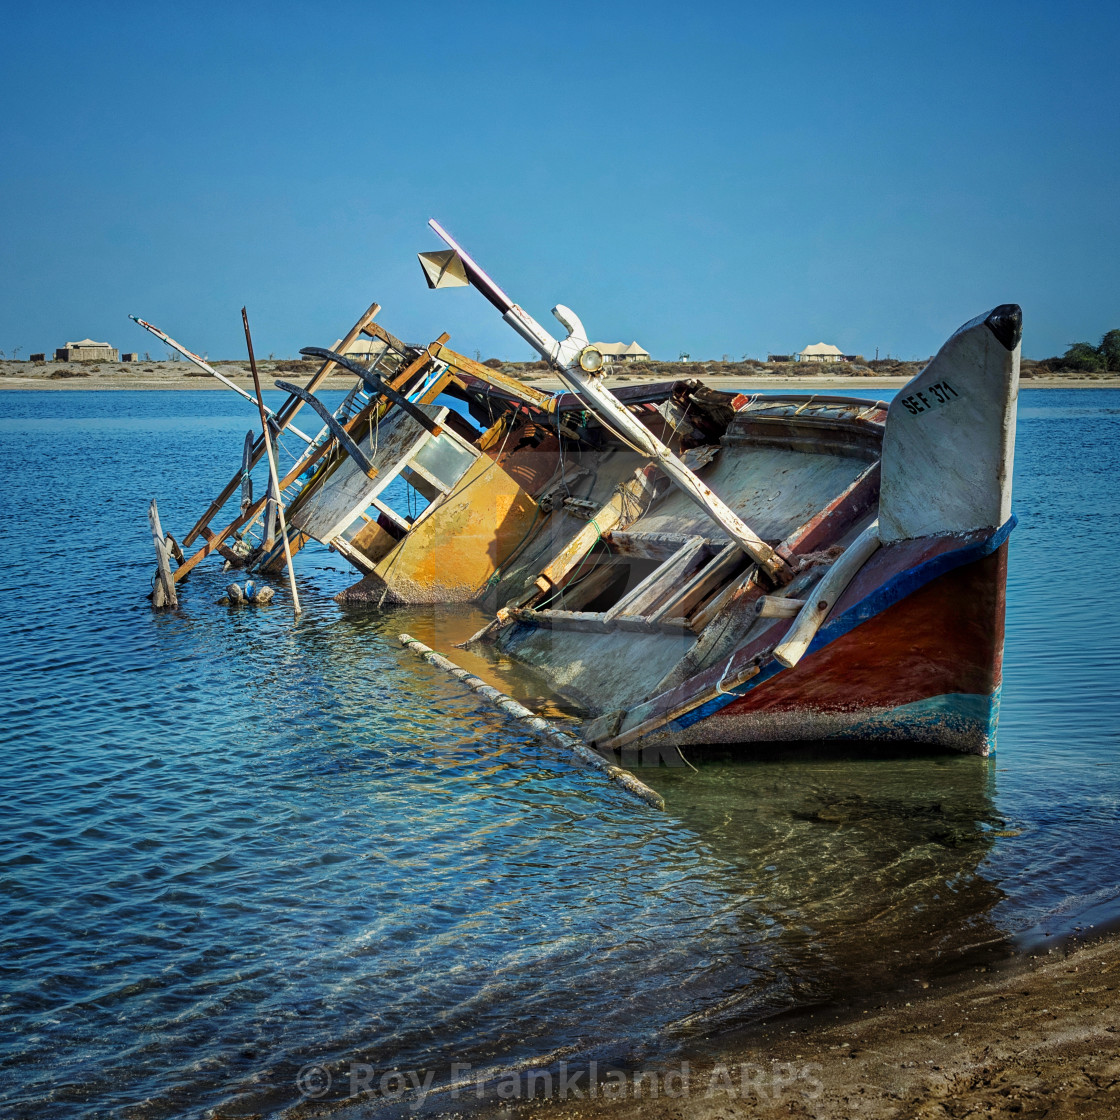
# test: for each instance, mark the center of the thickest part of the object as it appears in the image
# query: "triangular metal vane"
(443, 270)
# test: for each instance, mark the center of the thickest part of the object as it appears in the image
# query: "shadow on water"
(870, 858)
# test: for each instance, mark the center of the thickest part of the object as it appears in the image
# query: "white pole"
(272, 466)
(283, 526)
(585, 380)
(208, 368)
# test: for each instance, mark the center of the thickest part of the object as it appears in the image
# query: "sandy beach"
(183, 376)
(1035, 1035)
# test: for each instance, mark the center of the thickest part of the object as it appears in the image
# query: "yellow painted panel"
(456, 547)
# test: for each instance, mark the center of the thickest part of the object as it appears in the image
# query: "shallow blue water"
(232, 846)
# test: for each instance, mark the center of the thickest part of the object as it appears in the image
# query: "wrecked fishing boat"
(688, 565)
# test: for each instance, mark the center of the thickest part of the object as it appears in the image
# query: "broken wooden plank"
(535, 722)
(660, 582)
(707, 580)
(282, 419)
(823, 597)
(359, 559)
(634, 623)
(776, 606)
(218, 546)
(174, 549)
(494, 377)
(620, 507)
(647, 546)
(165, 580)
(744, 585)
(586, 621)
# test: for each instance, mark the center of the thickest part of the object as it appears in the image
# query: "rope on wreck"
(542, 727)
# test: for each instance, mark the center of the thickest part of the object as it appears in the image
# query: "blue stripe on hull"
(893, 591)
(967, 721)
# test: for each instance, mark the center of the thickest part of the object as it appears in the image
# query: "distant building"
(821, 352)
(36, 357)
(87, 351)
(129, 356)
(364, 350)
(622, 352)
(779, 357)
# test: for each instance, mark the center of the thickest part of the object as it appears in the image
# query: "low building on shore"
(622, 351)
(821, 352)
(87, 351)
(364, 350)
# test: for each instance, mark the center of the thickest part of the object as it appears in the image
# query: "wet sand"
(1034, 1036)
(181, 375)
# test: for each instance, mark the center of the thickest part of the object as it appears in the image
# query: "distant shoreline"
(174, 376)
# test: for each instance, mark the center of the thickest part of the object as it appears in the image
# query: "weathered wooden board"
(660, 584)
(349, 491)
(165, 581)
(774, 489)
(691, 592)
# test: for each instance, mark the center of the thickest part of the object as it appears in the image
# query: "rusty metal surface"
(373, 542)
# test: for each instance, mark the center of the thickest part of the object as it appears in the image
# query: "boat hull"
(913, 653)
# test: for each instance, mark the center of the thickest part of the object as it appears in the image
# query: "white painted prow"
(949, 444)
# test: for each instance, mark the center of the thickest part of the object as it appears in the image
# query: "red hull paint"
(946, 637)
(925, 668)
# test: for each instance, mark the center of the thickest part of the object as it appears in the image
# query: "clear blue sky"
(712, 178)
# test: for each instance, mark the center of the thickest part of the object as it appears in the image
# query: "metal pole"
(271, 464)
(208, 368)
(610, 411)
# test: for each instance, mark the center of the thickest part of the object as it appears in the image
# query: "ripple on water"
(233, 845)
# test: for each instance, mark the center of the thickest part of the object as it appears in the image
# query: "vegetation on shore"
(1084, 357)
(684, 370)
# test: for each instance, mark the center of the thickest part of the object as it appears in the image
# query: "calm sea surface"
(231, 846)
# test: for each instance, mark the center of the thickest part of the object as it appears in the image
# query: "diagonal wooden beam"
(283, 417)
(215, 539)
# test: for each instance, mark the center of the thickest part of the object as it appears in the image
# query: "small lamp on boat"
(591, 360)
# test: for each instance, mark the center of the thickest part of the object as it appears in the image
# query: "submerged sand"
(1034, 1036)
